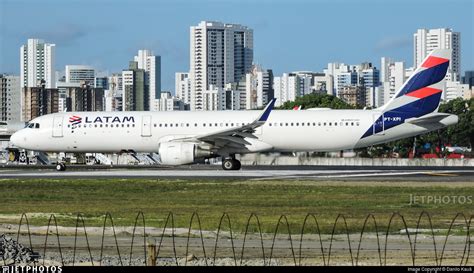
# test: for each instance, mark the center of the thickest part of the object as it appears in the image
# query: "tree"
(315, 100)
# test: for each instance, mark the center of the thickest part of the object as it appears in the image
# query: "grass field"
(124, 198)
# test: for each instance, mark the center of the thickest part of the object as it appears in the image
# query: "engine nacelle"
(180, 153)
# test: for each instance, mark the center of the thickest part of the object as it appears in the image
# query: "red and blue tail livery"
(419, 96)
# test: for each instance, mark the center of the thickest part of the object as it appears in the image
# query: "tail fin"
(421, 93)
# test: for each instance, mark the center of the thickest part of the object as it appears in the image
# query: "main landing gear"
(230, 164)
(60, 167)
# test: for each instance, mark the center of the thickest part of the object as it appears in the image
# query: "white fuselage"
(285, 130)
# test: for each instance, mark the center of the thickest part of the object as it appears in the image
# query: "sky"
(289, 35)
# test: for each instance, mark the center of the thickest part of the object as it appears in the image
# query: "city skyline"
(352, 35)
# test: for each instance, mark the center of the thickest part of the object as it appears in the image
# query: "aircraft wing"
(235, 136)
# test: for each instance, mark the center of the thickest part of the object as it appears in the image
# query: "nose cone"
(17, 139)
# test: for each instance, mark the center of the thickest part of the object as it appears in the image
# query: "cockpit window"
(33, 125)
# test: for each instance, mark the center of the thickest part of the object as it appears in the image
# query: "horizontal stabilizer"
(428, 119)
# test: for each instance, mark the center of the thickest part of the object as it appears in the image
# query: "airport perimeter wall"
(264, 159)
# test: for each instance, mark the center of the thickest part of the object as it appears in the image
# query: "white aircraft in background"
(184, 137)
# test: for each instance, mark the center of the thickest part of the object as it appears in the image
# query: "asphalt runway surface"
(344, 173)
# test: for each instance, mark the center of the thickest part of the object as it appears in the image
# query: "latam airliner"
(185, 137)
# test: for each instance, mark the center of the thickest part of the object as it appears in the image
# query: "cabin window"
(68, 125)
(270, 124)
(227, 125)
(357, 123)
(195, 124)
(210, 124)
(123, 125)
(37, 125)
(324, 123)
(154, 125)
(302, 123)
(352, 123)
(347, 123)
(204, 125)
(95, 125)
(187, 124)
(216, 124)
(335, 123)
(309, 123)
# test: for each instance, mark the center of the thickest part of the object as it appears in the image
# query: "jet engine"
(180, 153)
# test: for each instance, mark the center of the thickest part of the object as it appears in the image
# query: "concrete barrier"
(265, 159)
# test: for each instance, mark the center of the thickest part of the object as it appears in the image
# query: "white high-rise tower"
(152, 66)
(425, 40)
(37, 60)
(219, 54)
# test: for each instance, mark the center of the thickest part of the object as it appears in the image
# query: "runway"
(353, 173)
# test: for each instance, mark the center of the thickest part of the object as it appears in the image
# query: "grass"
(124, 198)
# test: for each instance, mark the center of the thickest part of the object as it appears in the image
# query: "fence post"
(151, 253)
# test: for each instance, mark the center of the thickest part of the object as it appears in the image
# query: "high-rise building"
(456, 90)
(392, 77)
(147, 61)
(77, 97)
(210, 98)
(286, 88)
(425, 40)
(170, 103)
(219, 54)
(468, 78)
(341, 75)
(305, 81)
(38, 101)
(101, 82)
(369, 78)
(354, 95)
(183, 87)
(258, 87)
(37, 60)
(10, 99)
(113, 94)
(135, 96)
(80, 73)
(323, 83)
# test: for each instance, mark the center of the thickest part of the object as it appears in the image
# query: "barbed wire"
(282, 228)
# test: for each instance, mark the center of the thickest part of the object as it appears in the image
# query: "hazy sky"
(288, 35)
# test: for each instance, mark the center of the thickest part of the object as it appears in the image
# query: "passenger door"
(146, 126)
(58, 126)
(378, 126)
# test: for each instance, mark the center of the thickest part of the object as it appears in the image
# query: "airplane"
(184, 137)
